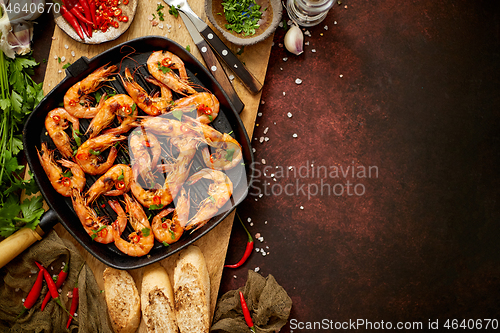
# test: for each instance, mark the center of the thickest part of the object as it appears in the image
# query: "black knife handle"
(219, 74)
(231, 60)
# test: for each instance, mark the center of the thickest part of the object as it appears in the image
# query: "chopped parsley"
(66, 65)
(242, 16)
(165, 244)
(229, 154)
(188, 48)
(173, 11)
(155, 207)
(145, 232)
(163, 68)
(159, 12)
(96, 232)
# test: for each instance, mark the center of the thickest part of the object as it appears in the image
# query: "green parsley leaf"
(229, 154)
(177, 114)
(145, 232)
(66, 65)
(165, 244)
(121, 177)
(173, 11)
(94, 152)
(155, 207)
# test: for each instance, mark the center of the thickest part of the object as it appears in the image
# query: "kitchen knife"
(218, 46)
(213, 64)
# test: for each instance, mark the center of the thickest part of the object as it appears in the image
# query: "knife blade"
(219, 47)
(213, 64)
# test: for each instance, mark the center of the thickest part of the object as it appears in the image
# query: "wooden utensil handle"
(16, 243)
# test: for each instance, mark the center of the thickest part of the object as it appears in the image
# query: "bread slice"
(122, 299)
(192, 292)
(157, 300)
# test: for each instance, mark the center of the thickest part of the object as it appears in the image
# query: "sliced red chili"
(56, 118)
(166, 62)
(125, 17)
(120, 184)
(136, 238)
(125, 2)
(156, 200)
(103, 233)
(146, 143)
(117, 12)
(82, 156)
(66, 181)
(72, 102)
(115, 24)
(165, 225)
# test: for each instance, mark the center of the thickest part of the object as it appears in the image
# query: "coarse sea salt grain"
(261, 139)
(313, 50)
(266, 139)
(294, 135)
(259, 114)
(257, 269)
(254, 150)
(307, 33)
(285, 59)
(73, 53)
(298, 81)
(263, 161)
(301, 207)
(289, 114)
(325, 27)
(284, 93)
(249, 219)
(66, 46)
(234, 276)
(266, 129)
(63, 59)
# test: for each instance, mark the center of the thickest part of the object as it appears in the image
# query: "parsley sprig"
(18, 96)
(242, 16)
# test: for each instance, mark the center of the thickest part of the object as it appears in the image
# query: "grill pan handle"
(78, 67)
(16, 243)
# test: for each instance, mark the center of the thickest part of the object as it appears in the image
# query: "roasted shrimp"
(118, 105)
(114, 182)
(88, 154)
(56, 123)
(152, 105)
(141, 241)
(76, 99)
(161, 65)
(63, 182)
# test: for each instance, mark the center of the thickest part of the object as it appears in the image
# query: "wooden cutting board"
(214, 244)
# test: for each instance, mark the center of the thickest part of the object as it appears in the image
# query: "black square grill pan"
(132, 54)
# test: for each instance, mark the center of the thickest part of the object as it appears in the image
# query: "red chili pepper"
(76, 297)
(56, 118)
(248, 250)
(74, 23)
(66, 181)
(125, 2)
(88, 16)
(63, 274)
(52, 286)
(80, 16)
(156, 200)
(92, 11)
(246, 313)
(125, 17)
(33, 295)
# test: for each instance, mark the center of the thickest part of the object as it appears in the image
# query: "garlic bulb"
(294, 40)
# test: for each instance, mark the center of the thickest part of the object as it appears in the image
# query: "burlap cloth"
(268, 302)
(19, 275)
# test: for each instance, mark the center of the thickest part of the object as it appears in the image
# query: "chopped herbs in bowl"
(242, 16)
(244, 22)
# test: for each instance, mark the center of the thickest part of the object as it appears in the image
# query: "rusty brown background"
(408, 87)
(411, 87)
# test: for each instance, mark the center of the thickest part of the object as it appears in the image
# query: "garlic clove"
(294, 40)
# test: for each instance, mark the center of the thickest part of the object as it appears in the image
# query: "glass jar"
(308, 13)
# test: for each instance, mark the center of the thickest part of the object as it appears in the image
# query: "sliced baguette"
(122, 299)
(157, 300)
(192, 292)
